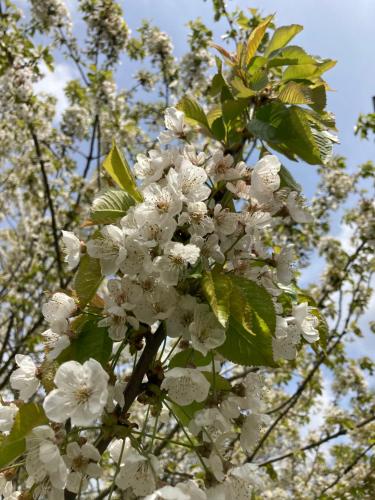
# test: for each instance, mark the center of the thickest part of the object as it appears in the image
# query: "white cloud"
(54, 82)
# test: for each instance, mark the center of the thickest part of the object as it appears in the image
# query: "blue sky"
(337, 29)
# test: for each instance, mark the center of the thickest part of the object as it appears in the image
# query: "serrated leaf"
(194, 113)
(30, 415)
(92, 342)
(87, 279)
(310, 72)
(293, 53)
(118, 168)
(295, 93)
(254, 40)
(110, 206)
(318, 98)
(282, 37)
(296, 133)
(251, 320)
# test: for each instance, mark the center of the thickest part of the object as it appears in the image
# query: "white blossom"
(185, 385)
(72, 249)
(24, 378)
(7, 414)
(175, 125)
(296, 209)
(265, 178)
(306, 321)
(82, 460)
(138, 472)
(81, 393)
(181, 491)
(177, 257)
(110, 249)
(57, 311)
(43, 459)
(205, 331)
(189, 182)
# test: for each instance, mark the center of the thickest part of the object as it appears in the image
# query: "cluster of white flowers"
(107, 28)
(149, 261)
(51, 14)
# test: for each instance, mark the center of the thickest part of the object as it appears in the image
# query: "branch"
(316, 444)
(133, 387)
(347, 469)
(50, 205)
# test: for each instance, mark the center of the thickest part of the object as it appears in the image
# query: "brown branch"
(316, 444)
(347, 469)
(133, 387)
(50, 205)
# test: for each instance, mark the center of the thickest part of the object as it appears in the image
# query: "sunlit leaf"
(118, 168)
(30, 415)
(282, 37)
(110, 206)
(87, 279)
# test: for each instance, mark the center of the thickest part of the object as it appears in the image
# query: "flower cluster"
(185, 226)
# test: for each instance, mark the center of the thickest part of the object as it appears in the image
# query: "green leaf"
(218, 289)
(30, 415)
(241, 89)
(287, 180)
(189, 356)
(259, 80)
(118, 168)
(217, 84)
(295, 93)
(186, 413)
(92, 342)
(232, 109)
(282, 37)
(194, 113)
(87, 279)
(214, 114)
(254, 40)
(318, 97)
(251, 320)
(296, 133)
(220, 383)
(294, 54)
(110, 206)
(309, 71)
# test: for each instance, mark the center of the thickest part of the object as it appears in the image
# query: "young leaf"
(118, 168)
(92, 342)
(193, 111)
(282, 37)
(87, 279)
(110, 206)
(255, 39)
(30, 415)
